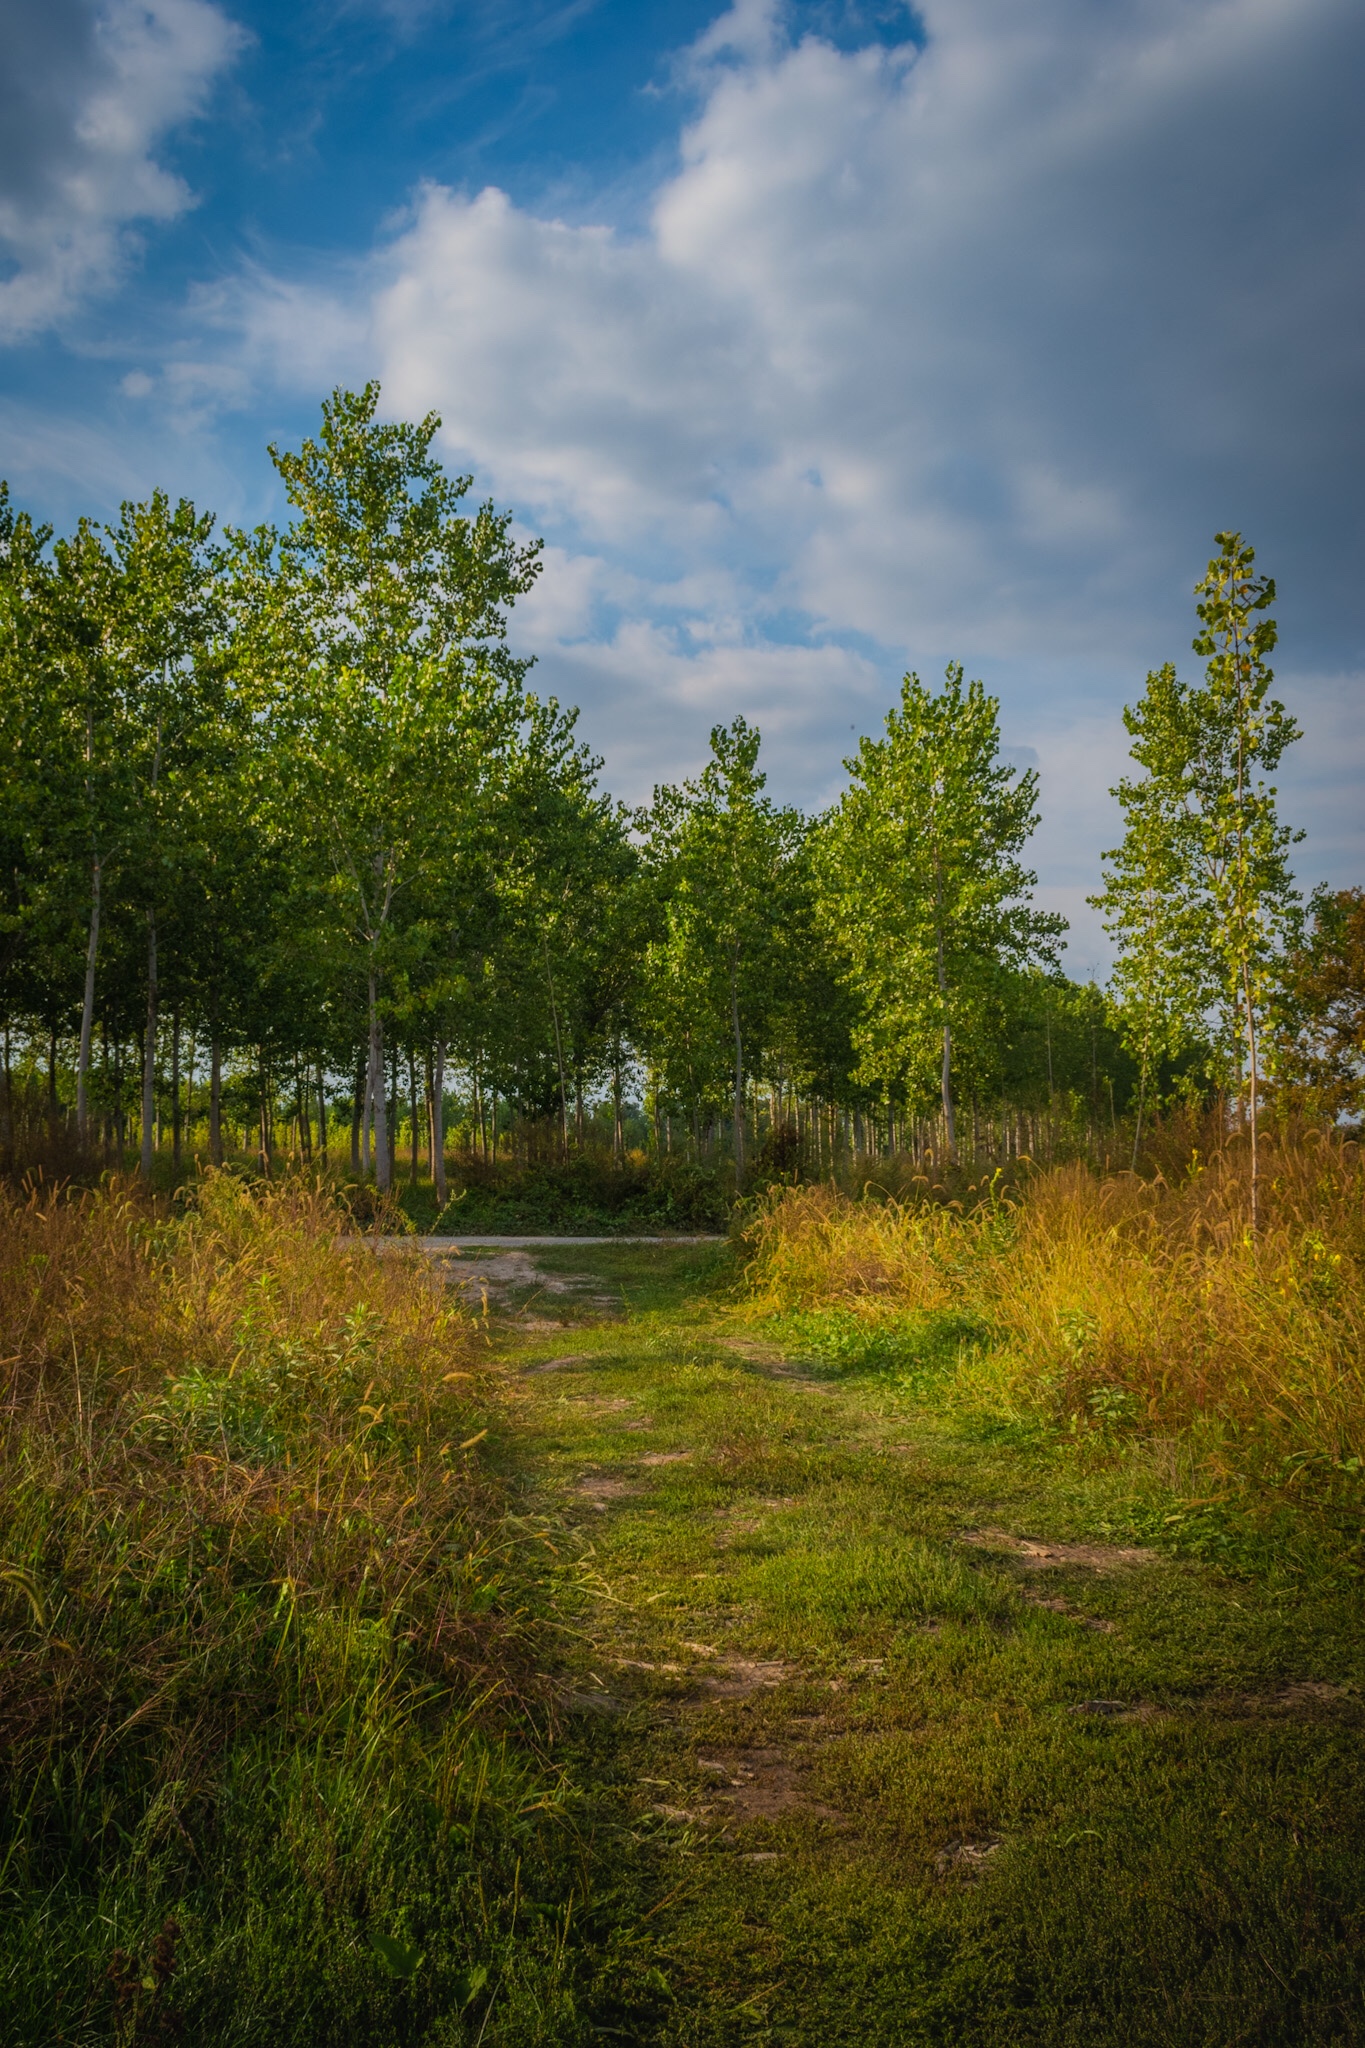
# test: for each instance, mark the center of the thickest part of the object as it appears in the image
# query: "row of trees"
(280, 809)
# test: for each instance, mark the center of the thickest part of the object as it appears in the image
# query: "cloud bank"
(87, 94)
(962, 347)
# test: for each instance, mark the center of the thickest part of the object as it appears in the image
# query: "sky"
(819, 341)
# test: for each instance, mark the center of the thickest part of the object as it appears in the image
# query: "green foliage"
(1200, 896)
(589, 1194)
(924, 891)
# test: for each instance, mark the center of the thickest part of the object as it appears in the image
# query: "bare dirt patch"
(760, 1784)
(501, 1277)
(665, 1457)
(601, 1489)
(561, 1364)
(1064, 1607)
(1118, 1710)
(1037, 1556)
(736, 1678)
(1306, 1699)
(963, 1858)
(767, 1359)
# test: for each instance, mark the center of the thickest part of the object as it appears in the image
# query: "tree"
(384, 622)
(1160, 989)
(923, 889)
(1204, 835)
(723, 853)
(1323, 1048)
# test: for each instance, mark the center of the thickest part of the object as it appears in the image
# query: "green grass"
(704, 1557)
(1185, 1871)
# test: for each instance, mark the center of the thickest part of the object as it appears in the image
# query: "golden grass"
(1124, 1301)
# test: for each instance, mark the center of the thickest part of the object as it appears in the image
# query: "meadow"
(919, 1620)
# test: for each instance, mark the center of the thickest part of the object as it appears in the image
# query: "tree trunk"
(149, 1054)
(739, 1069)
(322, 1114)
(438, 1122)
(264, 1133)
(412, 1104)
(559, 1056)
(1253, 1079)
(383, 1164)
(175, 1089)
(357, 1111)
(216, 1099)
(1137, 1128)
(88, 1004)
(617, 1144)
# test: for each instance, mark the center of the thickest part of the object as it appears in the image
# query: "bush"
(587, 1195)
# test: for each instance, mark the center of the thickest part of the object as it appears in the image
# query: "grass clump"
(266, 1686)
(1122, 1306)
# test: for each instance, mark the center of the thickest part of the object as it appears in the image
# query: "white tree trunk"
(149, 1054)
(88, 1004)
(382, 1161)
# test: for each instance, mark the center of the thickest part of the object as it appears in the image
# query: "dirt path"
(906, 1738)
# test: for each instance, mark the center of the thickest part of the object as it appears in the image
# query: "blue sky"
(818, 341)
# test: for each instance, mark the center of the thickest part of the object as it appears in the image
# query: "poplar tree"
(1164, 980)
(1205, 822)
(384, 639)
(723, 855)
(923, 888)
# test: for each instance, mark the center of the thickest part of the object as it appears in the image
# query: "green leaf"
(394, 1958)
(470, 1983)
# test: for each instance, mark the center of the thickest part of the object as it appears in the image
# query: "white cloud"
(967, 346)
(88, 95)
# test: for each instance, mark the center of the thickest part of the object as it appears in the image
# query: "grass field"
(752, 1679)
(922, 1733)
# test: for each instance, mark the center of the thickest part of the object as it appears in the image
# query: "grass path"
(889, 1737)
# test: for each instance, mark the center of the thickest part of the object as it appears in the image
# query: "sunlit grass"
(1119, 1306)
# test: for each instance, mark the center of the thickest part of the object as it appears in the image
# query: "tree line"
(292, 853)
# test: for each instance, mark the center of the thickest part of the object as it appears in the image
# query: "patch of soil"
(761, 1784)
(1117, 1710)
(767, 1359)
(601, 1490)
(741, 1676)
(665, 1458)
(559, 1364)
(963, 1858)
(1306, 1699)
(1036, 1556)
(1065, 1607)
(640, 1422)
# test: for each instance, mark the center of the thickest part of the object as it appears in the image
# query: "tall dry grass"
(260, 1637)
(1128, 1301)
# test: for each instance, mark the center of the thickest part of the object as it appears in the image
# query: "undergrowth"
(1119, 1308)
(586, 1194)
(273, 1728)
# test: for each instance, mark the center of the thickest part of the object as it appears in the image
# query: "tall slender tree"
(384, 643)
(923, 887)
(1206, 820)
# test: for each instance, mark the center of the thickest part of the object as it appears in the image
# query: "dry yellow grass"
(1125, 1300)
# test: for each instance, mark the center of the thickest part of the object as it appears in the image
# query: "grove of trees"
(296, 863)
